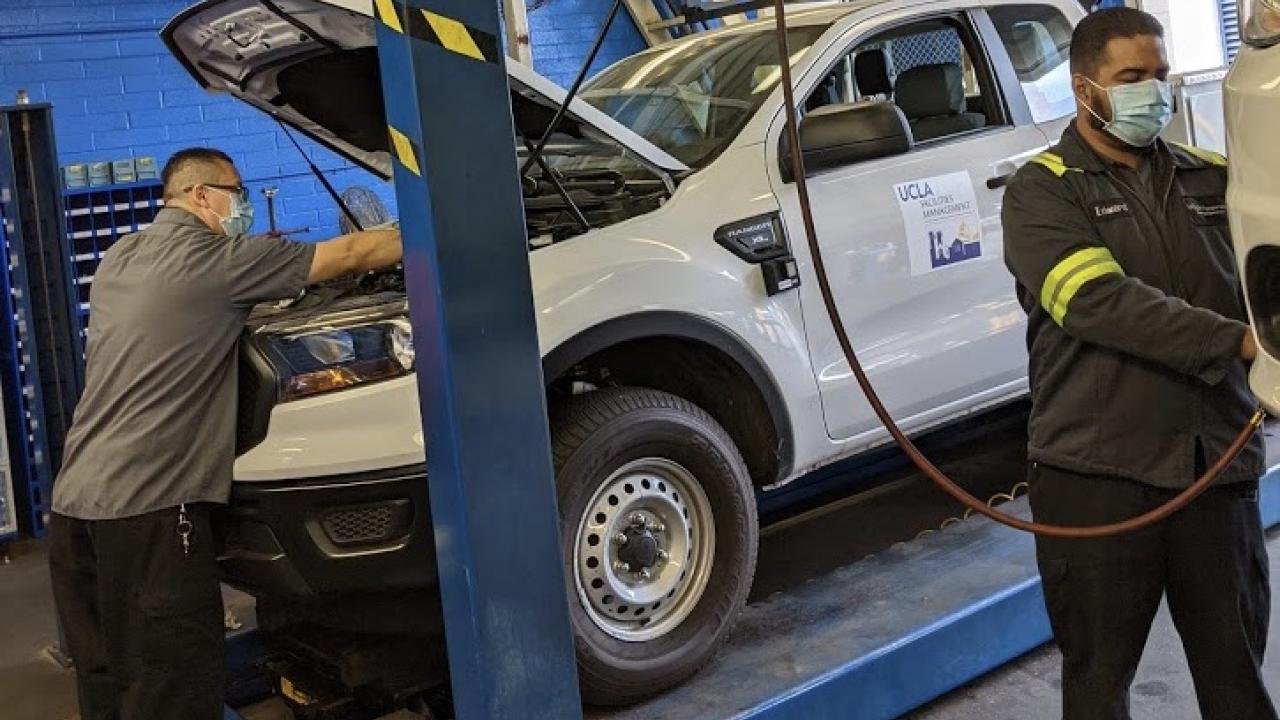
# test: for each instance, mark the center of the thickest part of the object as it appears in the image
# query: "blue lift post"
(492, 490)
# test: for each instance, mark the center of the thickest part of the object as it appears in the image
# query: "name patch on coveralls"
(1111, 210)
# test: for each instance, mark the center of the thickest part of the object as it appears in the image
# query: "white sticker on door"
(942, 221)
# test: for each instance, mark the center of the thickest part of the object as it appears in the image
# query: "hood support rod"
(342, 205)
(573, 91)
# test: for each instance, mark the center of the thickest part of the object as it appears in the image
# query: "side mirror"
(835, 136)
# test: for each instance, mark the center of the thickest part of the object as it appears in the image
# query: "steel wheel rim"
(647, 499)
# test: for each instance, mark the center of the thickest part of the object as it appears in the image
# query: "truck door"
(913, 242)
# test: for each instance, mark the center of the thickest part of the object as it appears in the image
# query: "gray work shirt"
(155, 427)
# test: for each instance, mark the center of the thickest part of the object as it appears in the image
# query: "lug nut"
(663, 555)
(620, 539)
(646, 574)
(657, 527)
(638, 519)
(619, 566)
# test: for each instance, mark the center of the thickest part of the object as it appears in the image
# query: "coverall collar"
(1076, 153)
(179, 216)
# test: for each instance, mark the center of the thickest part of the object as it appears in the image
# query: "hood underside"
(313, 64)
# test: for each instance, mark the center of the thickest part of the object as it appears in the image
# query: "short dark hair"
(186, 164)
(1089, 42)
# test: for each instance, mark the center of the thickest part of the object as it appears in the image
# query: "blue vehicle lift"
(882, 637)
(872, 640)
(492, 490)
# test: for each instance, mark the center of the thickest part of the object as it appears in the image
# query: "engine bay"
(558, 206)
(599, 197)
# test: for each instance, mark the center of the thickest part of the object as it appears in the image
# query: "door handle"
(999, 181)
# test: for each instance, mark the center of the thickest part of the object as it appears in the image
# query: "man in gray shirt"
(151, 450)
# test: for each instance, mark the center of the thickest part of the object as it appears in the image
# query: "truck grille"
(360, 526)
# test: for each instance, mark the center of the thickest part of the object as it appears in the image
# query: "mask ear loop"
(206, 196)
(231, 205)
(1089, 107)
(234, 199)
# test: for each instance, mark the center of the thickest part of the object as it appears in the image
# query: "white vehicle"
(1253, 100)
(680, 380)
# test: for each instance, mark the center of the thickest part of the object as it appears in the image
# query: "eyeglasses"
(227, 188)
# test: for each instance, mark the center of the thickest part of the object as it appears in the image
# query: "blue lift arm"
(479, 367)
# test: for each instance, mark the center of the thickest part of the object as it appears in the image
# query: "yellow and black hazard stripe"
(1072, 273)
(439, 30)
(406, 151)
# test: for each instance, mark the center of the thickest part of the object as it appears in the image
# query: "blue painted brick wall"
(118, 93)
(562, 32)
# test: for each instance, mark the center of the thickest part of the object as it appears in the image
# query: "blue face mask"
(241, 218)
(1140, 111)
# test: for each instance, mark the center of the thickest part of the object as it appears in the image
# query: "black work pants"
(142, 616)
(1210, 560)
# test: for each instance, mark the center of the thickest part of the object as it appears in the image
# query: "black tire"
(593, 436)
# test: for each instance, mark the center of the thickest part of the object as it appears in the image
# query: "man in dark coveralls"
(1138, 359)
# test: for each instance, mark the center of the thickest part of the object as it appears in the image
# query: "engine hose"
(912, 452)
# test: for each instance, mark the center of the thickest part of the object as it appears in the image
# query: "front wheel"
(659, 528)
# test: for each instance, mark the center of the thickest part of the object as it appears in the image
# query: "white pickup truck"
(689, 364)
(1253, 103)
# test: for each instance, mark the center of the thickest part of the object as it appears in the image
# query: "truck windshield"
(693, 98)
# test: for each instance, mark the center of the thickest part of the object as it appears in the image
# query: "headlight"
(1260, 20)
(339, 352)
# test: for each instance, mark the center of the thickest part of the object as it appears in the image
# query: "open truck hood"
(313, 64)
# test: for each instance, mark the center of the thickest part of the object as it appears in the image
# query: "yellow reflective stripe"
(1053, 163)
(405, 151)
(1208, 156)
(1077, 281)
(388, 15)
(1072, 263)
(1060, 286)
(453, 35)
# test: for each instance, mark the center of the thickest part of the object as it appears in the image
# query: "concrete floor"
(834, 533)
(1029, 689)
(34, 687)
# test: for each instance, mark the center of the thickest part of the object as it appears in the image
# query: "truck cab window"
(1038, 38)
(928, 69)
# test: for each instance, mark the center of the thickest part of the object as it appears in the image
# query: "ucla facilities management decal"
(943, 225)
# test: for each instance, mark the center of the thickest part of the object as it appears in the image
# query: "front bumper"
(366, 532)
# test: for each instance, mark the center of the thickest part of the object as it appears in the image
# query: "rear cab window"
(1038, 40)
